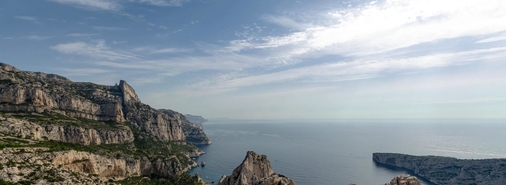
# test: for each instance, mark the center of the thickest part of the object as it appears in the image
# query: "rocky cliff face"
(97, 130)
(255, 170)
(404, 180)
(71, 134)
(446, 170)
(195, 120)
(85, 166)
(22, 91)
(194, 133)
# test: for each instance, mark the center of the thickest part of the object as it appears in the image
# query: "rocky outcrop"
(97, 130)
(447, 170)
(404, 180)
(109, 168)
(255, 170)
(19, 162)
(70, 134)
(194, 133)
(195, 120)
(36, 92)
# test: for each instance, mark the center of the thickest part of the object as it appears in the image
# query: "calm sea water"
(340, 152)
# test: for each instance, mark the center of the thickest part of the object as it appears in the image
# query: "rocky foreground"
(447, 170)
(56, 131)
(255, 169)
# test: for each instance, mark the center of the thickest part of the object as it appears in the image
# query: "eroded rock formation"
(447, 170)
(255, 170)
(87, 130)
(35, 92)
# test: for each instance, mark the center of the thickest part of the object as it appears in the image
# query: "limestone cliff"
(194, 133)
(70, 134)
(255, 170)
(35, 92)
(447, 170)
(403, 180)
(195, 120)
(88, 128)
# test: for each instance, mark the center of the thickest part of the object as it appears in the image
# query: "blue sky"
(274, 59)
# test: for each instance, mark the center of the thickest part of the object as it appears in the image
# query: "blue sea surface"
(340, 152)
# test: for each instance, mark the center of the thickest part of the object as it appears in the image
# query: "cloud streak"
(358, 69)
(93, 4)
(387, 26)
(98, 50)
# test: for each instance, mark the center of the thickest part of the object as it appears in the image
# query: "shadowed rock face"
(447, 170)
(255, 170)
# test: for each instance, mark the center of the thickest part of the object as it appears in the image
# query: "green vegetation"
(2, 182)
(184, 179)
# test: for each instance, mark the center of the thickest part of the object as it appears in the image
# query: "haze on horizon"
(274, 59)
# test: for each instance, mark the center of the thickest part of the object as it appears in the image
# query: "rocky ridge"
(194, 132)
(255, 170)
(195, 120)
(403, 180)
(447, 170)
(83, 126)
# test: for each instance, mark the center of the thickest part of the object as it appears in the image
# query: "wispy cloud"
(82, 71)
(493, 39)
(162, 2)
(108, 28)
(97, 50)
(382, 27)
(37, 37)
(148, 50)
(357, 69)
(81, 34)
(287, 22)
(28, 18)
(172, 50)
(481, 100)
(93, 4)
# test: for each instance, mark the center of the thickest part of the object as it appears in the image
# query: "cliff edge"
(255, 170)
(92, 132)
(447, 170)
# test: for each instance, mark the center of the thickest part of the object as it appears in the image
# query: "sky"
(283, 59)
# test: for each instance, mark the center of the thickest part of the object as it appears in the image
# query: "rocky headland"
(447, 170)
(54, 130)
(403, 180)
(255, 169)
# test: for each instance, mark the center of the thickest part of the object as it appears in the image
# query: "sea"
(339, 152)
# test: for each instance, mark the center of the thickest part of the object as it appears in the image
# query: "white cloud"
(493, 39)
(37, 37)
(481, 100)
(93, 4)
(98, 50)
(81, 35)
(162, 2)
(358, 69)
(385, 26)
(26, 18)
(172, 50)
(287, 22)
(82, 71)
(107, 28)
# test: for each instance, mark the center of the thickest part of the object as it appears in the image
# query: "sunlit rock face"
(255, 170)
(35, 92)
